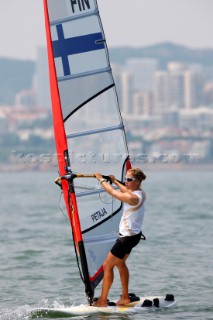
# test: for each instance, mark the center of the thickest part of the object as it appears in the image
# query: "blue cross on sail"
(72, 50)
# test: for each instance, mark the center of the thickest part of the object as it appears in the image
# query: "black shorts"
(124, 245)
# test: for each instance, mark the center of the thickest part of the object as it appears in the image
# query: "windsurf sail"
(89, 132)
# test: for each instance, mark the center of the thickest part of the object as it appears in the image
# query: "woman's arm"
(123, 195)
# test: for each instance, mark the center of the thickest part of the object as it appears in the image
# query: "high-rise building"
(142, 103)
(161, 92)
(177, 84)
(143, 71)
(208, 94)
(126, 93)
(177, 93)
(193, 89)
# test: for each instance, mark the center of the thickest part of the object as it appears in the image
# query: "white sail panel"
(96, 257)
(98, 113)
(87, 87)
(102, 152)
(81, 27)
(97, 61)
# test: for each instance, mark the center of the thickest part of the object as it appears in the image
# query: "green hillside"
(15, 75)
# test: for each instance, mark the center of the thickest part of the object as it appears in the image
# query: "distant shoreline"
(27, 167)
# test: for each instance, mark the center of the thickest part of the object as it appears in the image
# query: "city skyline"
(162, 112)
(144, 90)
(144, 23)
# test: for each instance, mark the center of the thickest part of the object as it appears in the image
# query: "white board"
(154, 302)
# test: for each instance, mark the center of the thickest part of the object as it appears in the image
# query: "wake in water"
(25, 312)
(15, 313)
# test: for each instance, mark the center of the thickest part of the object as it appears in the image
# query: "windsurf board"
(143, 304)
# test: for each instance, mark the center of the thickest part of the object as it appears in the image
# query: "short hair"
(137, 174)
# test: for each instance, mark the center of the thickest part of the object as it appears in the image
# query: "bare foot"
(123, 301)
(100, 303)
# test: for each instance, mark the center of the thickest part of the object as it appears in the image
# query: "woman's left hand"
(112, 178)
(98, 175)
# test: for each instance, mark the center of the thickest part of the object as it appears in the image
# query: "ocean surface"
(38, 267)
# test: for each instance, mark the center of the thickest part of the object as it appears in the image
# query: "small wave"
(28, 312)
(20, 313)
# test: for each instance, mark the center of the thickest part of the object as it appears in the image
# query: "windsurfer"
(133, 198)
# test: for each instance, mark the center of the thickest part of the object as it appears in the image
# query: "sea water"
(38, 266)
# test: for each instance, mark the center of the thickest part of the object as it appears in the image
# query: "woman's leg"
(124, 276)
(109, 264)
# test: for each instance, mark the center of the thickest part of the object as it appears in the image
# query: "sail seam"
(85, 74)
(86, 133)
(85, 15)
(88, 193)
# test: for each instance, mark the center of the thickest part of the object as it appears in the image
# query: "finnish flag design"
(76, 51)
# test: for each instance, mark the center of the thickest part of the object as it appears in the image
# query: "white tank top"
(132, 218)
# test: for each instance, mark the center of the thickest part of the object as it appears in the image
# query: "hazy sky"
(126, 22)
